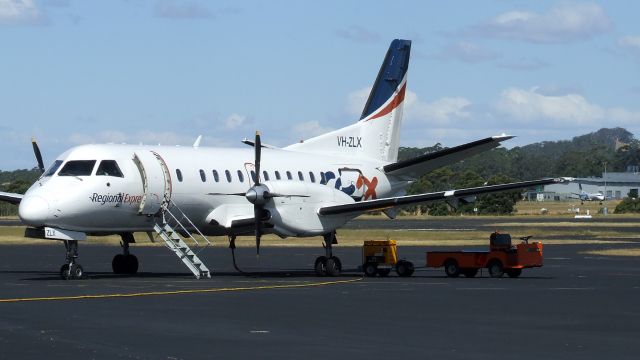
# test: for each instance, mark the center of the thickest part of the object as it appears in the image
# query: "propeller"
(258, 193)
(36, 151)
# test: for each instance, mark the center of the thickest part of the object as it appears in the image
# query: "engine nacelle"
(294, 209)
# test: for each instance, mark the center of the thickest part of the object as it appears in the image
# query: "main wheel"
(118, 264)
(404, 268)
(451, 268)
(337, 261)
(495, 269)
(470, 273)
(320, 266)
(332, 266)
(370, 269)
(131, 264)
(513, 273)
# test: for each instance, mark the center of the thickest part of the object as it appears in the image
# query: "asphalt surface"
(575, 307)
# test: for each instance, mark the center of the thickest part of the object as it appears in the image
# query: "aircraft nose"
(34, 210)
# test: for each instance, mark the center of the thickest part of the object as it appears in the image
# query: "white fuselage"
(105, 204)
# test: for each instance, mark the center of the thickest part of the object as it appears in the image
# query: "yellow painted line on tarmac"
(180, 292)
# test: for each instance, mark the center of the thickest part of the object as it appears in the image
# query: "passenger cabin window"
(240, 176)
(265, 175)
(312, 177)
(300, 176)
(179, 174)
(203, 176)
(277, 175)
(109, 168)
(77, 168)
(289, 175)
(216, 178)
(54, 167)
(228, 174)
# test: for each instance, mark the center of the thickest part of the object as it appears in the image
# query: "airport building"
(615, 185)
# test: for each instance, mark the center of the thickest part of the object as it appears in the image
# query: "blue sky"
(166, 71)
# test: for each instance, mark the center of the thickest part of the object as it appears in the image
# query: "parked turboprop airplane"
(306, 189)
(585, 196)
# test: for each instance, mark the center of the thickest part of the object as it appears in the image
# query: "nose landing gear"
(328, 265)
(71, 270)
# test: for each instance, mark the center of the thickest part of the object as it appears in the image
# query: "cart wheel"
(451, 268)
(320, 266)
(495, 269)
(404, 268)
(470, 273)
(513, 273)
(370, 269)
(384, 272)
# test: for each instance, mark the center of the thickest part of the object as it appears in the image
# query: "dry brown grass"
(631, 252)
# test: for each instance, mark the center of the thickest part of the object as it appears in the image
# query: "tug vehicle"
(501, 258)
(379, 257)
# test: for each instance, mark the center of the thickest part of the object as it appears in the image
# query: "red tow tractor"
(501, 258)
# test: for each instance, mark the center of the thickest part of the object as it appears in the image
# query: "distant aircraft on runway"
(585, 196)
(307, 189)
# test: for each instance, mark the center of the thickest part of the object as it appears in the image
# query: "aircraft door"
(156, 181)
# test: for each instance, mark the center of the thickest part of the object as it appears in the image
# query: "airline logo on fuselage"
(119, 198)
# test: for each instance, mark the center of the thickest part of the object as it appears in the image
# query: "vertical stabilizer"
(377, 134)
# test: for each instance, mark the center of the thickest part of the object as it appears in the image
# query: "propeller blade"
(257, 214)
(230, 194)
(258, 151)
(36, 151)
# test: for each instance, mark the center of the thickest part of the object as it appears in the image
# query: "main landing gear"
(328, 265)
(71, 270)
(125, 263)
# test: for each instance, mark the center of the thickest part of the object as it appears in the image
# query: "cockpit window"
(109, 168)
(53, 168)
(77, 168)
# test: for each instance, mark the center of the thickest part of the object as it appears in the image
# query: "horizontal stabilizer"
(11, 198)
(382, 204)
(420, 165)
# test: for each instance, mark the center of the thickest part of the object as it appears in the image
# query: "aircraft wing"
(11, 197)
(386, 203)
(420, 165)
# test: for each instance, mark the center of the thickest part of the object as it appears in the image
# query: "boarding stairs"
(177, 230)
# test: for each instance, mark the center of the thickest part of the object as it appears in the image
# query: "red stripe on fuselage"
(392, 105)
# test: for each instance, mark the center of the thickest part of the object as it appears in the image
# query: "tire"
(370, 269)
(513, 273)
(404, 268)
(64, 271)
(118, 264)
(321, 266)
(470, 273)
(332, 267)
(451, 268)
(76, 271)
(495, 269)
(338, 263)
(131, 264)
(384, 272)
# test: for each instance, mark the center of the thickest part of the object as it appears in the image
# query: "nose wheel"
(71, 270)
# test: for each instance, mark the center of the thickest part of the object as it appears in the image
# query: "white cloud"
(309, 129)
(523, 64)
(467, 52)
(530, 106)
(356, 101)
(17, 12)
(630, 45)
(358, 34)
(175, 9)
(441, 112)
(234, 121)
(565, 22)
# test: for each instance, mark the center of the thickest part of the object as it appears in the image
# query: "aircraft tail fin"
(377, 134)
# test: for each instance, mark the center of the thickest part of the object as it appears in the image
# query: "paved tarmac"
(575, 307)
